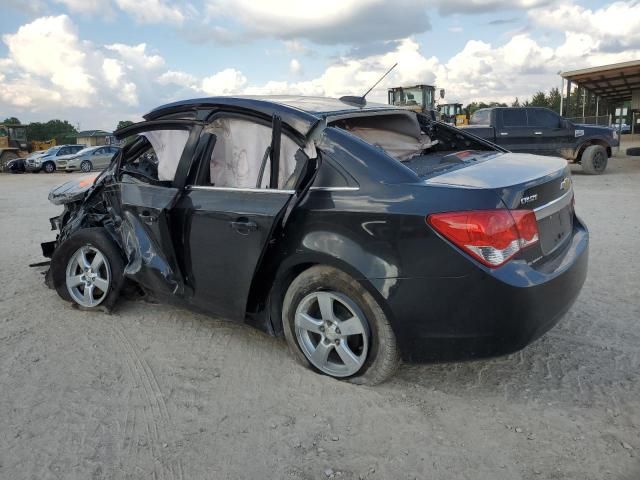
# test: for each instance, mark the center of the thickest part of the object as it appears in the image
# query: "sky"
(96, 62)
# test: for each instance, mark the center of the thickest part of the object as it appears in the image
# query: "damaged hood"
(73, 190)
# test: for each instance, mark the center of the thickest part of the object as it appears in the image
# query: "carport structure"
(612, 85)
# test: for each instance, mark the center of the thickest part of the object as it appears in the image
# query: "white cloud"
(137, 55)
(129, 94)
(28, 94)
(182, 79)
(295, 67)
(226, 82)
(49, 47)
(610, 28)
(479, 6)
(336, 21)
(152, 11)
(143, 11)
(298, 48)
(113, 71)
(50, 69)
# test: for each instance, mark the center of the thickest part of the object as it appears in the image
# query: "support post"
(567, 106)
(561, 94)
(620, 127)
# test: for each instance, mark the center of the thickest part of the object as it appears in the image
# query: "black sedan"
(363, 234)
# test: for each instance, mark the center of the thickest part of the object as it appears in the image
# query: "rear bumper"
(486, 313)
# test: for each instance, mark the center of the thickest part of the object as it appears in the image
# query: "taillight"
(490, 236)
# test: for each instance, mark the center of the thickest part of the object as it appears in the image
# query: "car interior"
(424, 147)
(240, 158)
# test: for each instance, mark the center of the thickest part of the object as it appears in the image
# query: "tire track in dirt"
(157, 419)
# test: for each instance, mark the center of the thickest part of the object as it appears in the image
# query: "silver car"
(91, 158)
(49, 160)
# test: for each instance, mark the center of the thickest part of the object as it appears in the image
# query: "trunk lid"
(523, 181)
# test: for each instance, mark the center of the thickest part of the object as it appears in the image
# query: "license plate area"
(555, 229)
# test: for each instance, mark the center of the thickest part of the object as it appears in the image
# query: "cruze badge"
(565, 184)
(528, 199)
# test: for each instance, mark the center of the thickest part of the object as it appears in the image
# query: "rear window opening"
(425, 147)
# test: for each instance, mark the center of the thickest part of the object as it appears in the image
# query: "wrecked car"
(362, 234)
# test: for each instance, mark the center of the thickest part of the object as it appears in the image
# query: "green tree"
(539, 99)
(11, 121)
(553, 99)
(473, 106)
(123, 123)
(516, 103)
(61, 130)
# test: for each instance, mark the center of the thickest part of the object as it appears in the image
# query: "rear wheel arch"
(290, 270)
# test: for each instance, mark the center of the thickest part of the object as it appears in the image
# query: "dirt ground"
(157, 392)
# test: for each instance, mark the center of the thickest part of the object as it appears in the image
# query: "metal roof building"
(615, 84)
(92, 138)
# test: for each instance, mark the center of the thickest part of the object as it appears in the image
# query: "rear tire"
(5, 158)
(86, 166)
(49, 167)
(594, 160)
(366, 340)
(104, 277)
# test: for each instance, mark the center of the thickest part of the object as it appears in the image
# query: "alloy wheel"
(85, 166)
(88, 276)
(598, 161)
(49, 168)
(332, 333)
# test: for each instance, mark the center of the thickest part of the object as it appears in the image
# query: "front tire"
(594, 160)
(86, 166)
(49, 167)
(334, 325)
(88, 269)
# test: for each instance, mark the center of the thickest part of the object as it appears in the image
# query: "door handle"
(504, 134)
(147, 217)
(243, 226)
(537, 133)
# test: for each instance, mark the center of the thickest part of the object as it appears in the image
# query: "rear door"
(552, 135)
(150, 174)
(101, 157)
(513, 131)
(249, 173)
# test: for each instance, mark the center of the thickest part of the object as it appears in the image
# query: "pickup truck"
(544, 132)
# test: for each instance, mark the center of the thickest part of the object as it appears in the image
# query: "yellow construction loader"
(453, 114)
(13, 143)
(37, 145)
(419, 98)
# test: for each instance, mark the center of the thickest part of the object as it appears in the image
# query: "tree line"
(550, 100)
(60, 130)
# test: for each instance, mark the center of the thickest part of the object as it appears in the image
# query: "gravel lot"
(157, 392)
